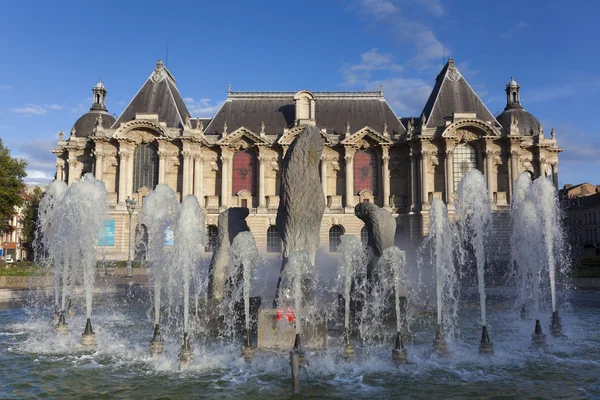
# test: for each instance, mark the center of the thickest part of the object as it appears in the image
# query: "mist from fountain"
(474, 217)
(158, 215)
(244, 260)
(439, 243)
(189, 242)
(352, 279)
(76, 222)
(44, 235)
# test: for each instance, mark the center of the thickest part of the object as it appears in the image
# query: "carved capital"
(385, 159)
(98, 153)
(124, 154)
(186, 154)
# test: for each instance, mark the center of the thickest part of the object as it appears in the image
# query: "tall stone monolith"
(301, 198)
(381, 228)
(231, 222)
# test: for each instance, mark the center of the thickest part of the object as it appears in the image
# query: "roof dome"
(528, 124)
(512, 82)
(99, 85)
(87, 122)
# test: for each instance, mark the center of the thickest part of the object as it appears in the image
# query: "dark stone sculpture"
(381, 228)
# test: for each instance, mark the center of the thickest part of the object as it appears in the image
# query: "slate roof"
(528, 124)
(453, 94)
(87, 122)
(158, 95)
(277, 111)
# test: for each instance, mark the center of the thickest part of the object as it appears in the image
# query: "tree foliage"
(30, 219)
(12, 172)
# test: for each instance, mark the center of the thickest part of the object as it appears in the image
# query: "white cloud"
(35, 177)
(40, 160)
(202, 108)
(30, 110)
(407, 28)
(54, 107)
(406, 95)
(514, 29)
(5, 87)
(370, 61)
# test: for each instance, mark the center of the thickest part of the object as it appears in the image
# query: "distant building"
(581, 204)
(10, 240)
(235, 158)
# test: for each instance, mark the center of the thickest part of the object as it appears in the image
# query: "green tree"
(30, 220)
(12, 172)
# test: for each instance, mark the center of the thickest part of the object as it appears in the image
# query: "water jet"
(156, 344)
(88, 338)
(61, 326)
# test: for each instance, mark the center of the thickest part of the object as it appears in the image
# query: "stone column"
(424, 173)
(72, 169)
(449, 174)
(185, 187)
(225, 159)
(555, 174)
(99, 155)
(60, 170)
(489, 173)
(261, 182)
(413, 179)
(349, 158)
(199, 178)
(385, 175)
(162, 156)
(324, 161)
(514, 170)
(130, 175)
(123, 161)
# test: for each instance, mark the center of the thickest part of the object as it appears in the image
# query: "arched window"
(244, 172)
(364, 235)
(365, 171)
(465, 159)
(335, 235)
(145, 167)
(213, 240)
(273, 240)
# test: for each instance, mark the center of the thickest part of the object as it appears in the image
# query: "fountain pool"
(37, 363)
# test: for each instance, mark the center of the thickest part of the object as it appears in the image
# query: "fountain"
(474, 217)
(43, 244)
(244, 260)
(351, 273)
(189, 240)
(158, 215)
(440, 243)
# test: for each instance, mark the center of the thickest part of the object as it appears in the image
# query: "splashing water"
(45, 238)
(189, 239)
(473, 212)
(158, 215)
(76, 222)
(440, 243)
(244, 261)
(352, 270)
(295, 272)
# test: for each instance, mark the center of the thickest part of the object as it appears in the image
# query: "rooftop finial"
(60, 135)
(159, 64)
(381, 88)
(228, 89)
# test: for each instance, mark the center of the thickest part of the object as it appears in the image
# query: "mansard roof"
(453, 94)
(158, 95)
(277, 110)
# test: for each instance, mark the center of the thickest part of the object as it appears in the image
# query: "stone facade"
(234, 159)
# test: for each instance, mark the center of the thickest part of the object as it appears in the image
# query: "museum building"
(371, 155)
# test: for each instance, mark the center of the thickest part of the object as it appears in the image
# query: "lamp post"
(130, 203)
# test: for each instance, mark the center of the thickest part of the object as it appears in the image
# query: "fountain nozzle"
(247, 349)
(88, 338)
(538, 338)
(61, 325)
(185, 353)
(399, 353)
(156, 344)
(486, 347)
(555, 325)
(439, 343)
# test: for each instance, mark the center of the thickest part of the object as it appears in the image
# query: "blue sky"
(54, 52)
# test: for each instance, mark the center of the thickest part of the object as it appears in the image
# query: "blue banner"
(106, 235)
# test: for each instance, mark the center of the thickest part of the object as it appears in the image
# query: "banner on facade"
(106, 235)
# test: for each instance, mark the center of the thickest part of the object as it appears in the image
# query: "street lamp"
(130, 203)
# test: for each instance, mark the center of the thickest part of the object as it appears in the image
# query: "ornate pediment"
(141, 131)
(288, 136)
(364, 137)
(468, 130)
(242, 138)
